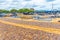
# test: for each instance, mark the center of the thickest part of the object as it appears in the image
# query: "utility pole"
(52, 9)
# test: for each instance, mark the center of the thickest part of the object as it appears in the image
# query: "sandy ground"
(9, 32)
(42, 24)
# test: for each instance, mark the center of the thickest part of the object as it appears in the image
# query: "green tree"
(1, 11)
(13, 10)
(25, 11)
(4, 11)
(20, 10)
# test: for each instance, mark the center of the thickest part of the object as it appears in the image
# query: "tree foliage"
(4, 11)
(13, 10)
(23, 10)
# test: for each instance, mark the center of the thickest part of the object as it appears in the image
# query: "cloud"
(50, 0)
(27, 0)
(36, 4)
(1, 1)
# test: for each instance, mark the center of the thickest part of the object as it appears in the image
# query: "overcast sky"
(36, 4)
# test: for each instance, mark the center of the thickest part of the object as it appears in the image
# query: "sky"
(36, 4)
